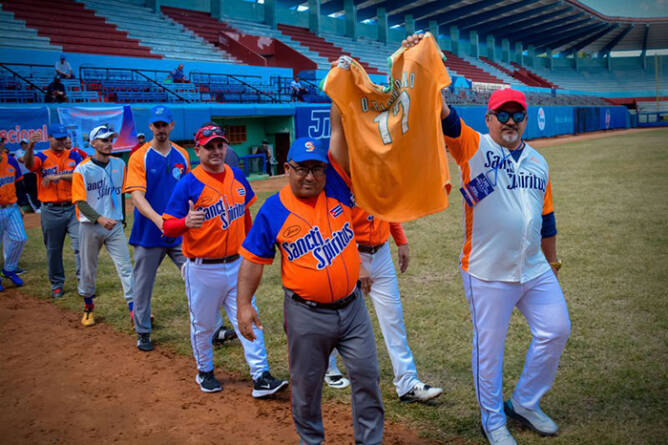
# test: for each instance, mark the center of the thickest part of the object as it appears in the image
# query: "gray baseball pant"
(147, 261)
(56, 223)
(312, 335)
(92, 237)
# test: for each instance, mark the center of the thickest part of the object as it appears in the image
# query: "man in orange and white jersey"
(509, 259)
(210, 209)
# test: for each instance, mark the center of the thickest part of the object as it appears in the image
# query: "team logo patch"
(336, 211)
(177, 171)
(242, 191)
(292, 231)
(309, 146)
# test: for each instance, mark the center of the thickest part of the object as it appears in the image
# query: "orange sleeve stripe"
(252, 201)
(465, 146)
(136, 176)
(254, 258)
(548, 205)
(78, 187)
(468, 210)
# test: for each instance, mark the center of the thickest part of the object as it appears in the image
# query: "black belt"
(225, 260)
(369, 249)
(6, 206)
(338, 304)
(58, 204)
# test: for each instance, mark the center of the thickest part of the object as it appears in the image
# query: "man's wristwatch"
(556, 265)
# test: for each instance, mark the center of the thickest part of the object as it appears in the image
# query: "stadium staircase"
(463, 68)
(157, 32)
(372, 52)
(16, 35)
(495, 70)
(75, 28)
(321, 46)
(532, 79)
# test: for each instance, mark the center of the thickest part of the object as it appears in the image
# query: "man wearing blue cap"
(310, 220)
(153, 171)
(54, 168)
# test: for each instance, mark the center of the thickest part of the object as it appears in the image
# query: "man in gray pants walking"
(54, 169)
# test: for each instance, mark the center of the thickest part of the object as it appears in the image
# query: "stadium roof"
(562, 25)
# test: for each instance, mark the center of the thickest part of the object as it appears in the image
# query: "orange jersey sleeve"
(463, 148)
(548, 206)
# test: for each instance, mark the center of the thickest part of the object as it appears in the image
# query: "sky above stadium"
(626, 8)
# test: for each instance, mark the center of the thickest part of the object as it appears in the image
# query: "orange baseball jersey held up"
(50, 162)
(224, 205)
(10, 173)
(319, 258)
(395, 142)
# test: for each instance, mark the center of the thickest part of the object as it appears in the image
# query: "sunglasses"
(504, 116)
(318, 171)
(210, 131)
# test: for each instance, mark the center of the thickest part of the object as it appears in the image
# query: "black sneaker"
(57, 293)
(207, 382)
(222, 335)
(267, 385)
(144, 342)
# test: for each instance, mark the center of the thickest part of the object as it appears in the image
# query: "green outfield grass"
(612, 211)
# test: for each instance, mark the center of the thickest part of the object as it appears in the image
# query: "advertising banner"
(22, 123)
(313, 122)
(79, 121)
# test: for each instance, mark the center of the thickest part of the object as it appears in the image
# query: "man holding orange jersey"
(210, 208)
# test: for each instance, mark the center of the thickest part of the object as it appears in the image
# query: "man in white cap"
(97, 190)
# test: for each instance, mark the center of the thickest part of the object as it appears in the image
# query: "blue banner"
(313, 122)
(81, 120)
(22, 123)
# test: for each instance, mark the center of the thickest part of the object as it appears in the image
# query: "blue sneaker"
(13, 277)
(1, 288)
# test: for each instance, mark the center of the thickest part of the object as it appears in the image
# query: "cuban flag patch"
(336, 211)
(241, 191)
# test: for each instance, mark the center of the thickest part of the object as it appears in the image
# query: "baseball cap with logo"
(501, 97)
(57, 131)
(160, 113)
(208, 133)
(24, 141)
(307, 149)
(101, 132)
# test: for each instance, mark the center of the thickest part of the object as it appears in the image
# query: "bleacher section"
(463, 68)
(75, 28)
(372, 52)
(505, 77)
(531, 78)
(15, 34)
(323, 47)
(157, 32)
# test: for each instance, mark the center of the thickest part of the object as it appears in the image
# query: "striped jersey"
(50, 162)
(503, 230)
(156, 175)
(224, 205)
(10, 173)
(398, 162)
(319, 258)
(100, 187)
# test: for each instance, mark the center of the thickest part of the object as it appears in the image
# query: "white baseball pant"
(542, 303)
(210, 287)
(387, 302)
(13, 236)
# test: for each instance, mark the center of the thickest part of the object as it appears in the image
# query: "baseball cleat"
(57, 293)
(207, 382)
(222, 335)
(421, 393)
(500, 436)
(535, 419)
(267, 385)
(20, 271)
(88, 319)
(144, 342)
(13, 277)
(336, 380)
(1, 288)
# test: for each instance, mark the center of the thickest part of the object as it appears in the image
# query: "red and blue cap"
(208, 133)
(307, 149)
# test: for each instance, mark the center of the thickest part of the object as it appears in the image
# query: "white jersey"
(100, 187)
(503, 230)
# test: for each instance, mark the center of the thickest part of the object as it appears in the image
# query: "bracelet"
(556, 265)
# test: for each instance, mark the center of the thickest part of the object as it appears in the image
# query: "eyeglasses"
(318, 171)
(504, 116)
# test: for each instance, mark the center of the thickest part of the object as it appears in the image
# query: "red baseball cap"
(500, 97)
(208, 133)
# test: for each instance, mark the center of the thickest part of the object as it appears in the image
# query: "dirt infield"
(63, 383)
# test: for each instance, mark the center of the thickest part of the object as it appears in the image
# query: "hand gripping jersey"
(156, 175)
(503, 230)
(49, 162)
(224, 205)
(100, 187)
(10, 173)
(319, 258)
(397, 156)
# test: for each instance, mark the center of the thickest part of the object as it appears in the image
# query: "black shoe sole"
(143, 348)
(260, 393)
(524, 421)
(203, 389)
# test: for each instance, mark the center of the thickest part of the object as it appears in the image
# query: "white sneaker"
(421, 393)
(336, 380)
(536, 419)
(500, 436)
